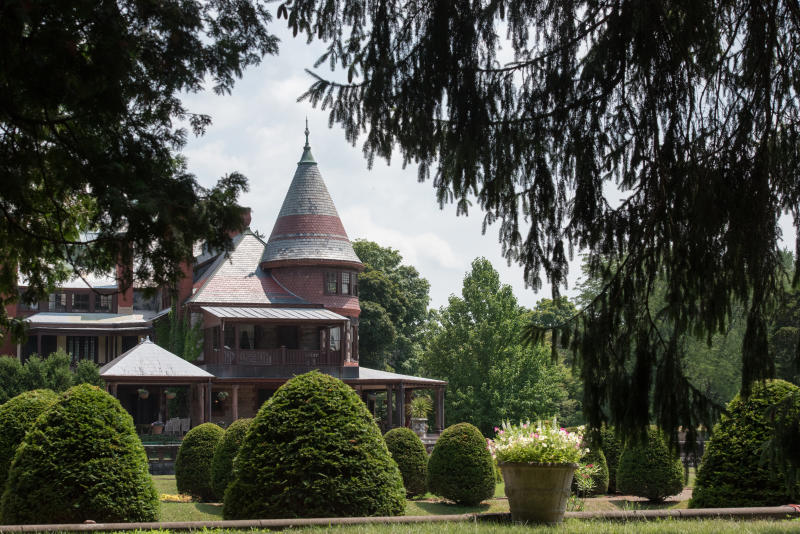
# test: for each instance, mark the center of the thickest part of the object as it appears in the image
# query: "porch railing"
(282, 356)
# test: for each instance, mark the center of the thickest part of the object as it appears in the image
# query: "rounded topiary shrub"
(226, 451)
(732, 474)
(81, 460)
(16, 417)
(193, 463)
(650, 469)
(595, 457)
(409, 453)
(612, 449)
(314, 450)
(460, 467)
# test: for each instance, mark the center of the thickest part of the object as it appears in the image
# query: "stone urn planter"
(419, 425)
(537, 492)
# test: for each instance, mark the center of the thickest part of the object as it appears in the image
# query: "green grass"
(190, 511)
(165, 484)
(572, 526)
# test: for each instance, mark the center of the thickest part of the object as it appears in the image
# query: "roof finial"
(307, 145)
(307, 157)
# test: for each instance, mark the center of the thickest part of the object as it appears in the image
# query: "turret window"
(345, 283)
(341, 283)
(331, 283)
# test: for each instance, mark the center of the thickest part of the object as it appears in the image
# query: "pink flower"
(496, 429)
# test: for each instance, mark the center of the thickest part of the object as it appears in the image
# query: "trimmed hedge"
(612, 449)
(226, 451)
(732, 473)
(650, 469)
(409, 453)
(461, 468)
(314, 450)
(193, 463)
(81, 460)
(16, 418)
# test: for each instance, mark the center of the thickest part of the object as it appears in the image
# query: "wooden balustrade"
(280, 356)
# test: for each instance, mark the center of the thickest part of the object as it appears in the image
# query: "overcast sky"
(258, 131)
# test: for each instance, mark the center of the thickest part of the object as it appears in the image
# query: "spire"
(308, 229)
(307, 158)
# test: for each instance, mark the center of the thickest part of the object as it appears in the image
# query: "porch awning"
(293, 314)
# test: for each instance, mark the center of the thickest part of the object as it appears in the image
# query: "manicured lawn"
(573, 526)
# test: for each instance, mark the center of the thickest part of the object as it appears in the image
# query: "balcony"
(282, 357)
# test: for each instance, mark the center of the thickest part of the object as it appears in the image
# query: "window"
(82, 347)
(103, 303)
(215, 338)
(145, 299)
(345, 283)
(246, 337)
(80, 302)
(336, 338)
(331, 283)
(355, 284)
(57, 302)
(230, 337)
(24, 305)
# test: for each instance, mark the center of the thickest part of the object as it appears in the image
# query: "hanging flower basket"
(169, 394)
(222, 395)
(143, 393)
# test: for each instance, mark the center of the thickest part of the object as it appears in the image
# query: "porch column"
(39, 344)
(389, 408)
(235, 400)
(401, 405)
(408, 404)
(207, 417)
(201, 401)
(439, 410)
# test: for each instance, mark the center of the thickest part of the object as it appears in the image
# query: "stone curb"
(772, 512)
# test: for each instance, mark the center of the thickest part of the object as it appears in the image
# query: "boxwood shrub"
(732, 473)
(81, 460)
(612, 449)
(16, 418)
(650, 469)
(193, 463)
(460, 467)
(226, 451)
(412, 459)
(314, 450)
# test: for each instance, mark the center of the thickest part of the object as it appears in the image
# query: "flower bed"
(542, 442)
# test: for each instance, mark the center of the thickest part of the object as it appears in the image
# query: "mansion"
(267, 310)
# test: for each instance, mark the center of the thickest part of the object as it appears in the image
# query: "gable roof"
(239, 278)
(308, 228)
(149, 360)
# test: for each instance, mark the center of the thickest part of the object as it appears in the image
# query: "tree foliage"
(90, 127)
(54, 373)
(177, 335)
(394, 305)
(476, 347)
(661, 135)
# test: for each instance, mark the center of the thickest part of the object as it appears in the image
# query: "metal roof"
(295, 314)
(100, 320)
(149, 360)
(365, 373)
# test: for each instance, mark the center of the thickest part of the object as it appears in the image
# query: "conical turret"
(308, 230)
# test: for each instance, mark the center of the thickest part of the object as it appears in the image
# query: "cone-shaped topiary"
(460, 467)
(314, 450)
(193, 463)
(226, 451)
(612, 449)
(650, 469)
(81, 460)
(409, 453)
(16, 418)
(732, 474)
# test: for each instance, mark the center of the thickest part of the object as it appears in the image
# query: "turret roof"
(308, 228)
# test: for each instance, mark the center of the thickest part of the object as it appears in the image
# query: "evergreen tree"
(91, 123)
(661, 135)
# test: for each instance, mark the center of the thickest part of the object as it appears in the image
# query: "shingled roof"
(239, 279)
(308, 229)
(149, 360)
